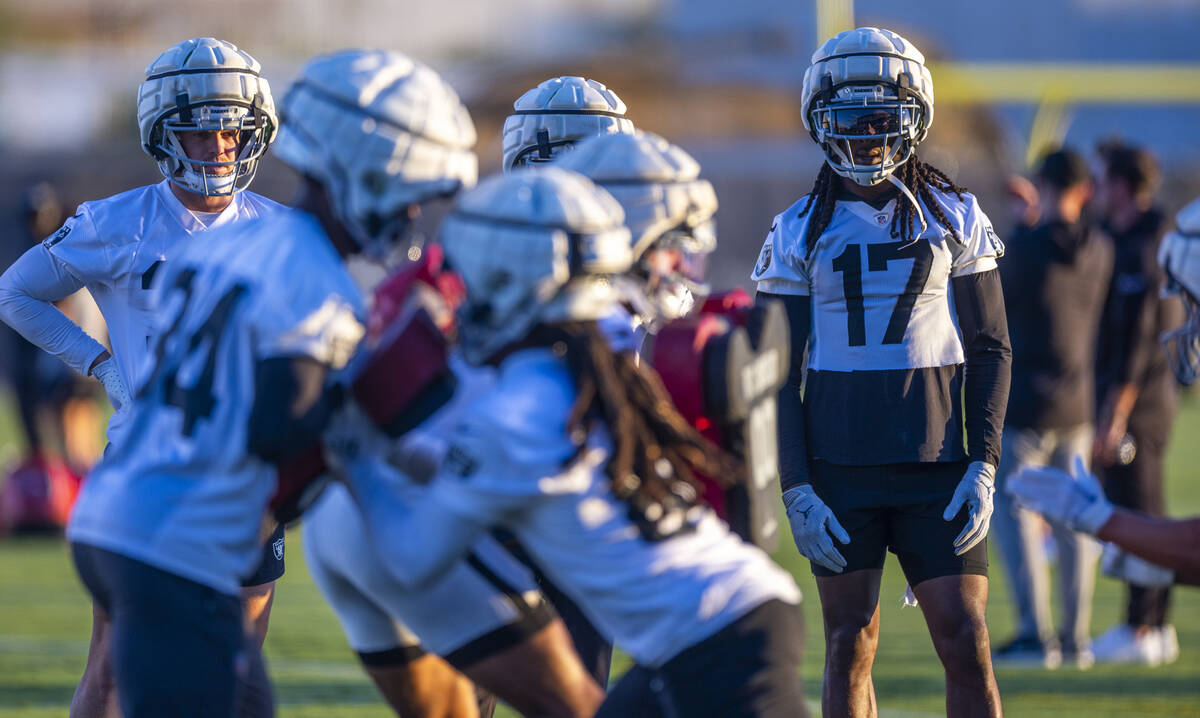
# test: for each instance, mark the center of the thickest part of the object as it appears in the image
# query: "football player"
(550, 118)
(668, 209)
(1077, 501)
(546, 123)
(206, 116)
(577, 451)
(888, 271)
(250, 322)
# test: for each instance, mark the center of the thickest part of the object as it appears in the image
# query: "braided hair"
(917, 176)
(656, 452)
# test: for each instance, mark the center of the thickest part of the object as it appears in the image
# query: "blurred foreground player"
(252, 320)
(888, 271)
(1077, 500)
(577, 451)
(206, 116)
(484, 616)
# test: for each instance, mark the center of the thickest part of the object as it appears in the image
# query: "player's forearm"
(793, 449)
(979, 303)
(1173, 544)
(28, 290)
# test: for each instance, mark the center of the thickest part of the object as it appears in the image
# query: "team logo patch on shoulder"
(57, 237)
(459, 462)
(764, 260)
(994, 241)
(277, 549)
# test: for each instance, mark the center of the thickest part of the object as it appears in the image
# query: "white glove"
(812, 522)
(1127, 567)
(975, 491)
(1076, 502)
(110, 377)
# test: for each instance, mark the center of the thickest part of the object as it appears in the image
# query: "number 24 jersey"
(885, 354)
(182, 492)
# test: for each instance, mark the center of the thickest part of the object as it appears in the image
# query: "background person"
(1055, 280)
(1138, 395)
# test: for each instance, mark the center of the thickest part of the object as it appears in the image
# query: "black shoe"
(1027, 653)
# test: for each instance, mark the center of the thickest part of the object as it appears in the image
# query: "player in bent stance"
(252, 321)
(206, 115)
(888, 271)
(577, 451)
(485, 616)
(1172, 547)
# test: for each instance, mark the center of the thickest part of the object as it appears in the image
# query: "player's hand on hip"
(110, 377)
(1073, 500)
(975, 491)
(812, 523)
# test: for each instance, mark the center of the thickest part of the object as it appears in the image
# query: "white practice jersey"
(379, 613)
(181, 492)
(115, 246)
(512, 464)
(885, 336)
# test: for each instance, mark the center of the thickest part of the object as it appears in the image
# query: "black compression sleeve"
(793, 447)
(291, 407)
(979, 303)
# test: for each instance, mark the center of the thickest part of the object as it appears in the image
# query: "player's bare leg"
(850, 607)
(96, 694)
(426, 687)
(257, 602)
(541, 676)
(954, 611)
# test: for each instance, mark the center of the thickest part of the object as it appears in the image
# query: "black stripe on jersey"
(392, 657)
(510, 591)
(503, 638)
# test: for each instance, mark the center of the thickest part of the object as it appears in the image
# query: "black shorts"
(749, 669)
(270, 566)
(178, 647)
(897, 508)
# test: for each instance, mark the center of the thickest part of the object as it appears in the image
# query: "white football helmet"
(380, 132)
(667, 207)
(203, 84)
(867, 84)
(533, 246)
(1179, 255)
(557, 113)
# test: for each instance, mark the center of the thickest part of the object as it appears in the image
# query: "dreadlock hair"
(656, 452)
(917, 176)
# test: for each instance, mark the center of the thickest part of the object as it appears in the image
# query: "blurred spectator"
(38, 492)
(1136, 389)
(1055, 277)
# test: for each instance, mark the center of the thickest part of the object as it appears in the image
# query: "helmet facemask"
(867, 130)
(211, 178)
(671, 274)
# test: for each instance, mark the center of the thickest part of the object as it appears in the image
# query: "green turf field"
(45, 619)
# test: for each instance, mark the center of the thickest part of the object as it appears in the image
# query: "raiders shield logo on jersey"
(764, 259)
(277, 547)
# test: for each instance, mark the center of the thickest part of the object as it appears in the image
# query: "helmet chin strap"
(916, 205)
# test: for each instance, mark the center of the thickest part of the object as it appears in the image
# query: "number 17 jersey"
(182, 492)
(885, 363)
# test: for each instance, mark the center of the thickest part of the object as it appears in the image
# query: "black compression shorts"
(897, 508)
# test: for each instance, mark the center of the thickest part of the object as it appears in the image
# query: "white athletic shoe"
(1121, 644)
(1170, 644)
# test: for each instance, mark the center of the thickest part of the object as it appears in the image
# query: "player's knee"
(964, 652)
(849, 645)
